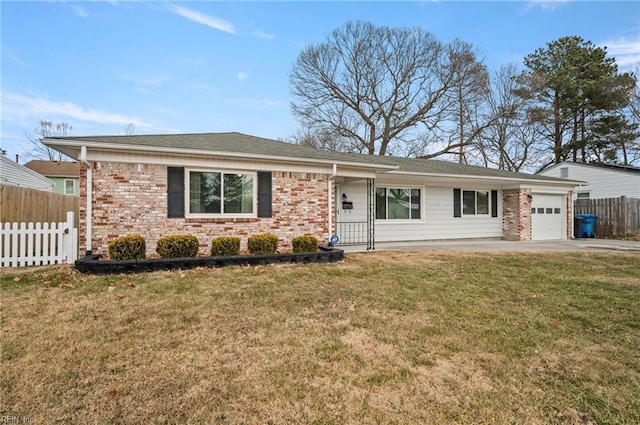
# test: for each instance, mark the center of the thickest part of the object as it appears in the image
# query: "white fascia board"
(167, 150)
(522, 182)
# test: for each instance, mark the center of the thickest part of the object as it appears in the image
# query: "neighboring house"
(65, 175)
(14, 174)
(232, 184)
(599, 180)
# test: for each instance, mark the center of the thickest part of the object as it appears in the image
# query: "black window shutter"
(264, 194)
(494, 203)
(457, 210)
(175, 192)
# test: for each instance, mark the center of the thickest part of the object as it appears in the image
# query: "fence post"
(68, 239)
(624, 214)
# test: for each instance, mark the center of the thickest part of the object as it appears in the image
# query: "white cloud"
(80, 11)
(22, 108)
(242, 75)
(10, 54)
(543, 4)
(210, 21)
(261, 34)
(626, 52)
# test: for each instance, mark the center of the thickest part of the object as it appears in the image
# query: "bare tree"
(323, 140)
(512, 142)
(469, 93)
(386, 89)
(129, 129)
(37, 150)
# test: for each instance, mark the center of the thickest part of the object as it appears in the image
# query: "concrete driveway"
(494, 245)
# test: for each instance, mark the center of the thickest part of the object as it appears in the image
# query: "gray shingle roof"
(54, 168)
(244, 144)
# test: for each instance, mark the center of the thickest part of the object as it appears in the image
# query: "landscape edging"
(91, 263)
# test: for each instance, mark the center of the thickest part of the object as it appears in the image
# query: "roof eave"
(557, 182)
(162, 149)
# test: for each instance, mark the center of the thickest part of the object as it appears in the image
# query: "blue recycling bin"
(588, 223)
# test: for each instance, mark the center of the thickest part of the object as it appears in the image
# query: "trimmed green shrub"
(265, 243)
(225, 245)
(178, 246)
(132, 247)
(305, 243)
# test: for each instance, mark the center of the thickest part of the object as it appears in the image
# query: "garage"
(547, 217)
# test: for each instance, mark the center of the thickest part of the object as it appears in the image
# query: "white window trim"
(404, 220)
(584, 192)
(73, 182)
(187, 194)
(476, 214)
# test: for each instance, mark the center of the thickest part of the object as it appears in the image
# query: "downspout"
(330, 196)
(89, 189)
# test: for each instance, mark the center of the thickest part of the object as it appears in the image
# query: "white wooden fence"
(38, 244)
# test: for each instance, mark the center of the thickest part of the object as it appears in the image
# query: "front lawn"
(378, 338)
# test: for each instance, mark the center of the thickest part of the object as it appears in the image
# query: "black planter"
(92, 263)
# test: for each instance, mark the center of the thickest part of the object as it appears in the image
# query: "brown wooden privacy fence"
(616, 216)
(25, 205)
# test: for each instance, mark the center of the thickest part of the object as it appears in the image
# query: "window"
(564, 172)
(475, 202)
(69, 187)
(215, 193)
(583, 195)
(397, 204)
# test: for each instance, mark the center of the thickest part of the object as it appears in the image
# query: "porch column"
(371, 214)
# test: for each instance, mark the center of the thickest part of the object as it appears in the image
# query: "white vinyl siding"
(601, 182)
(436, 222)
(13, 174)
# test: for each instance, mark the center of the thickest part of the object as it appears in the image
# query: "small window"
(549, 210)
(70, 187)
(540, 210)
(556, 210)
(533, 210)
(564, 172)
(583, 195)
(475, 202)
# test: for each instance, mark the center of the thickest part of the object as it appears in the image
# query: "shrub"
(305, 243)
(265, 243)
(178, 246)
(225, 245)
(132, 247)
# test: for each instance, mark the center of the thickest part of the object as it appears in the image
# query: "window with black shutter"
(175, 192)
(264, 194)
(494, 203)
(457, 208)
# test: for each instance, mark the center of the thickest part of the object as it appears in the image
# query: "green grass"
(379, 338)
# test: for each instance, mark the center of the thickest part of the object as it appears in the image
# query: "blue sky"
(202, 66)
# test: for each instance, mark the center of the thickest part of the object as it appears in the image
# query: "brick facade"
(132, 199)
(569, 217)
(516, 218)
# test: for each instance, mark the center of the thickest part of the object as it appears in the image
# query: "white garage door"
(548, 217)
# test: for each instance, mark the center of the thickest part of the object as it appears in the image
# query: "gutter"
(89, 188)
